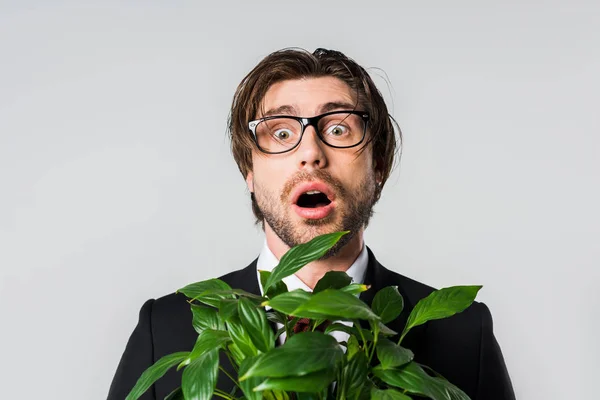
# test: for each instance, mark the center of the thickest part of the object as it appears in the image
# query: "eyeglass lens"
(282, 133)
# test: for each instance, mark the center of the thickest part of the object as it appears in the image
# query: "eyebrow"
(291, 110)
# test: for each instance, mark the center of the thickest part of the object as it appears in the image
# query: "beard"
(352, 213)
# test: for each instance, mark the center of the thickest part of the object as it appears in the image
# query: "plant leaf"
(240, 337)
(275, 395)
(228, 308)
(332, 280)
(256, 324)
(275, 289)
(288, 302)
(208, 340)
(206, 318)
(205, 291)
(176, 394)
(334, 303)
(440, 304)
(391, 355)
(248, 385)
(293, 359)
(413, 379)
(389, 394)
(385, 331)
(352, 346)
(236, 353)
(298, 256)
(354, 376)
(200, 377)
(355, 288)
(155, 372)
(312, 382)
(388, 304)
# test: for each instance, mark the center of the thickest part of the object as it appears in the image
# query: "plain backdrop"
(117, 184)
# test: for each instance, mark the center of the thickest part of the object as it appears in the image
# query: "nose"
(310, 152)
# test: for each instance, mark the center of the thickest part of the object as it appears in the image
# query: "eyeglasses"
(339, 129)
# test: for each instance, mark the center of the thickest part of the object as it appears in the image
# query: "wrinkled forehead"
(307, 97)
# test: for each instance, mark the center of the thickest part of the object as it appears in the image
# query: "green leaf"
(206, 318)
(391, 355)
(276, 317)
(332, 280)
(293, 359)
(155, 372)
(440, 304)
(288, 302)
(240, 337)
(236, 353)
(312, 382)
(239, 292)
(414, 379)
(275, 395)
(176, 394)
(388, 304)
(298, 256)
(355, 288)
(248, 385)
(200, 377)
(385, 331)
(352, 347)
(334, 303)
(228, 308)
(275, 289)
(208, 340)
(354, 376)
(389, 394)
(256, 324)
(206, 291)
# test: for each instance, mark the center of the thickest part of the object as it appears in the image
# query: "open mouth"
(313, 199)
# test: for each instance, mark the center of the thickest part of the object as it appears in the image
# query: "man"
(313, 138)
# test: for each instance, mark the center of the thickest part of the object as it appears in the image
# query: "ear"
(250, 181)
(377, 167)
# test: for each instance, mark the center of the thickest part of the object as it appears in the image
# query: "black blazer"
(461, 348)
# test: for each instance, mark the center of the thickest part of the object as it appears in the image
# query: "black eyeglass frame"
(313, 121)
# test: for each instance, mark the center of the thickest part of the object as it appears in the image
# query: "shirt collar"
(267, 262)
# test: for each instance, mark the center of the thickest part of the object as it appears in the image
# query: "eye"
(336, 130)
(282, 134)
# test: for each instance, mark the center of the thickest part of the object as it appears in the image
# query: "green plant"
(309, 365)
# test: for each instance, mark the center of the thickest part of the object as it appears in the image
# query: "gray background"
(117, 184)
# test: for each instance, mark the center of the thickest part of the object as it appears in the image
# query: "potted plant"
(311, 364)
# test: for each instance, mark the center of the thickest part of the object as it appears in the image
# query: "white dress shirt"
(267, 262)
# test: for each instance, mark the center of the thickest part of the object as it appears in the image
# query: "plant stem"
(231, 361)
(222, 394)
(229, 376)
(375, 328)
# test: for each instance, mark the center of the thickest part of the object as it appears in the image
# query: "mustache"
(317, 175)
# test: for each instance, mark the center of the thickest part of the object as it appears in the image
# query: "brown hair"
(295, 63)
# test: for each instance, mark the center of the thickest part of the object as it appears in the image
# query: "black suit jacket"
(461, 348)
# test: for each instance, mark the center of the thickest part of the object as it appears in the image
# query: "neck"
(311, 273)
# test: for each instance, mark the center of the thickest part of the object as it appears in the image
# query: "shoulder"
(173, 304)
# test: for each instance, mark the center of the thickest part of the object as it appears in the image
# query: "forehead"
(306, 97)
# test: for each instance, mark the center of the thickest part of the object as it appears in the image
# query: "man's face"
(280, 181)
